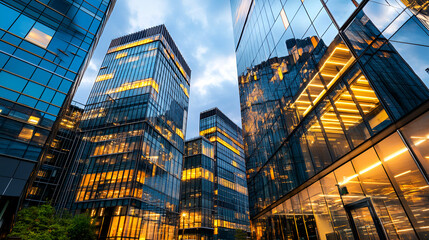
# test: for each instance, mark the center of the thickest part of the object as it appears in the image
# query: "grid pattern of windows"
(197, 190)
(230, 188)
(44, 49)
(128, 167)
(318, 81)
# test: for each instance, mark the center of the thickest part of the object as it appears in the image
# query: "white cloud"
(200, 52)
(90, 74)
(195, 10)
(216, 72)
(144, 13)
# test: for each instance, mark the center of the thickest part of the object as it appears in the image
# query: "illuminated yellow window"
(185, 90)
(26, 133)
(104, 77)
(33, 120)
(121, 55)
(134, 85)
(179, 132)
(40, 35)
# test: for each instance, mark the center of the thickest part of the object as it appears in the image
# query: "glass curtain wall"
(197, 191)
(319, 81)
(45, 47)
(128, 169)
(230, 189)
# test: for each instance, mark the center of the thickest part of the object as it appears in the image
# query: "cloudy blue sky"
(203, 32)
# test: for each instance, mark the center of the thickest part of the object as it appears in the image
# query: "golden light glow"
(180, 133)
(185, 90)
(402, 174)
(134, 85)
(214, 129)
(338, 61)
(370, 168)
(104, 77)
(226, 224)
(133, 44)
(117, 181)
(194, 173)
(121, 55)
(227, 145)
(234, 186)
(26, 133)
(33, 120)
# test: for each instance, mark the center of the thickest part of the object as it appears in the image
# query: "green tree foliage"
(81, 228)
(41, 223)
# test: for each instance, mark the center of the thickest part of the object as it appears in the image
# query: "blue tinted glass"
(7, 16)
(48, 95)
(8, 94)
(22, 26)
(65, 86)
(20, 67)
(83, 19)
(27, 101)
(44, 29)
(53, 110)
(41, 76)
(42, 106)
(59, 99)
(11, 81)
(33, 89)
(55, 82)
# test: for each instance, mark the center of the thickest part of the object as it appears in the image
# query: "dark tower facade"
(197, 190)
(230, 188)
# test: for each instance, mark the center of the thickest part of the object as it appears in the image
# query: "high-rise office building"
(44, 49)
(197, 190)
(334, 103)
(128, 168)
(230, 207)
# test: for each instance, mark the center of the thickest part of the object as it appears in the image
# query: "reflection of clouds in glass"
(381, 15)
(394, 26)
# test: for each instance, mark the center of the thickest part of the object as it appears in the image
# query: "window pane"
(40, 35)
(417, 135)
(377, 186)
(403, 172)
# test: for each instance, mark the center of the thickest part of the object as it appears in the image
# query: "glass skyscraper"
(197, 190)
(128, 168)
(230, 207)
(44, 49)
(334, 103)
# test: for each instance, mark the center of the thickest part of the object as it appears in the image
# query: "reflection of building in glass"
(51, 174)
(128, 168)
(197, 190)
(45, 47)
(331, 93)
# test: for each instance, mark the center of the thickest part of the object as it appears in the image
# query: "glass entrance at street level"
(364, 221)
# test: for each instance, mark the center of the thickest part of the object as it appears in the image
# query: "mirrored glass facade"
(128, 168)
(197, 190)
(45, 47)
(50, 175)
(327, 89)
(230, 198)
